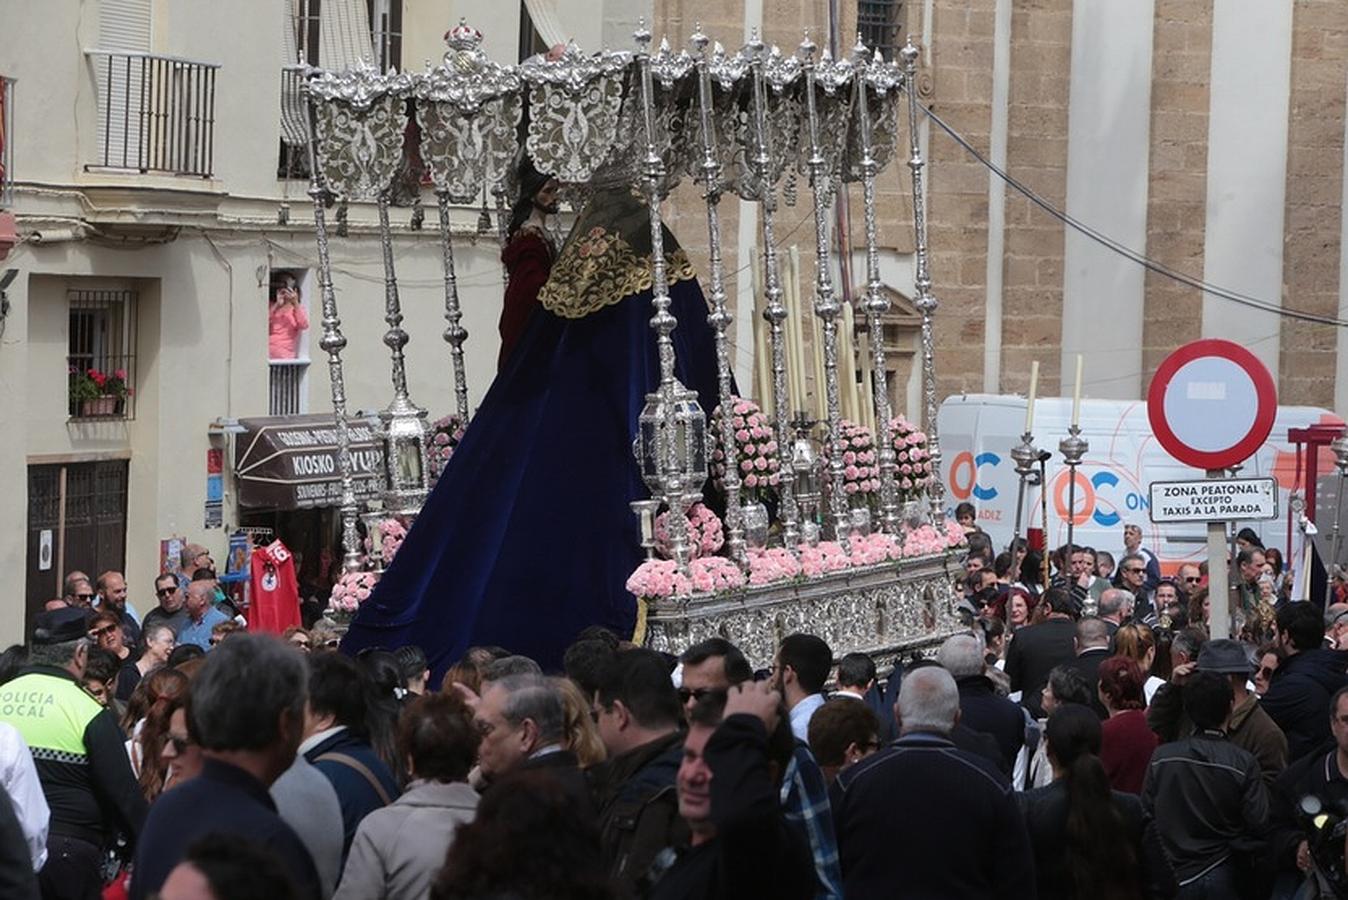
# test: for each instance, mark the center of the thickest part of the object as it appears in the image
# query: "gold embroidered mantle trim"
(600, 269)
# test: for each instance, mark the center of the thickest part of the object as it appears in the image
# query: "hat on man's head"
(1226, 657)
(59, 626)
(190, 554)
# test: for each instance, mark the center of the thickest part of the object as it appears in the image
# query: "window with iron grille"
(333, 34)
(878, 23)
(101, 355)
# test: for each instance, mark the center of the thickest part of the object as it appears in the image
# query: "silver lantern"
(671, 449)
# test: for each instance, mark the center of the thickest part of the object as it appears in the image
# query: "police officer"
(79, 753)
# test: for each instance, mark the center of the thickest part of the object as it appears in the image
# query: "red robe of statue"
(528, 260)
(275, 603)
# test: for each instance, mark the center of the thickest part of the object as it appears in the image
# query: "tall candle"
(848, 362)
(1076, 395)
(1029, 406)
(763, 365)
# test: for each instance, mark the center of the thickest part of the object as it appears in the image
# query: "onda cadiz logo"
(967, 468)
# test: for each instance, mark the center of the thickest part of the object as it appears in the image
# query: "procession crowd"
(1081, 739)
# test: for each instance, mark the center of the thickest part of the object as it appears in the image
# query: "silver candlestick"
(829, 78)
(775, 312)
(1073, 449)
(332, 342)
(672, 438)
(720, 317)
(873, 75)
(925, 302)
(1025, 455)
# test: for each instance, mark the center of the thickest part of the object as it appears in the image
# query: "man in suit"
(980, 708)
(1092, 648)
(1036, 649)
(522, 723)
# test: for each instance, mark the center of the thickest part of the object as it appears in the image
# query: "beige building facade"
(1206, 136)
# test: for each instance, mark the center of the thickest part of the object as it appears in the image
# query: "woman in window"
(286, 318)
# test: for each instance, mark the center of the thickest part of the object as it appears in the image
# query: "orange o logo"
(964, 460)
(1084, 491)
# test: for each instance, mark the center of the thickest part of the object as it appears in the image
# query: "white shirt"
(801, 713)
(318, 737)
(19, 778)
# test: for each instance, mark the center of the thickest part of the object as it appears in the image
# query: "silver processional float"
(745, 123)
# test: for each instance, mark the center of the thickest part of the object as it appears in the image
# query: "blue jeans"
(1216, 884)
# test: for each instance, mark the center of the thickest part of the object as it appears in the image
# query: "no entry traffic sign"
(1212, 404)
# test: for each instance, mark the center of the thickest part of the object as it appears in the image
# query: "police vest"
(51, 713)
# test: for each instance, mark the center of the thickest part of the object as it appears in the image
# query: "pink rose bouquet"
(714, 574)
(656, 579)
(826, 556)
(705, 534)
(861, 471)
(769, 566)
(874, 548)
(954, 534)
(351, 590)
(755, 450)
(912, 459)
(925, 540)
(444, 437)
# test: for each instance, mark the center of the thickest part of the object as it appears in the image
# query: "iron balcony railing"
(286, 387)
(155, 113)
(6, 142)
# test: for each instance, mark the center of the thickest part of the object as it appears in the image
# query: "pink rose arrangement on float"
(826, 556)
(861, 472)
(351, 590)
(912, 459)
(925, 540)
(445, 435)
(656, 579)
(771, 565)
(391, 533)
(714, 574)
(755, 450)
(705, 533)
(955, 535)
(874, 548)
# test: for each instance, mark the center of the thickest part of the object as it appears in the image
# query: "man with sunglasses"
(78, 591)
(170, 611)
(1133, 579)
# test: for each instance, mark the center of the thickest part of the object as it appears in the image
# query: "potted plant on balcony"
(94, 393)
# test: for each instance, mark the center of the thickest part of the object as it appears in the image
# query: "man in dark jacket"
(638, 715)
(741, 846)
(1205, 793)
(1036, 649)
(1249, 727)
(246, 747)
(336, 742)
(523, 724)
(980, 708)
(1299, 691)
(889, 850)
(79, 755)
(1092, 648)
(1324, 775)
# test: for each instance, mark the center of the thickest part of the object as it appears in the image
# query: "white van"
(977, 432)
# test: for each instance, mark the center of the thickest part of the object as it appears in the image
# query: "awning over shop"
(290, 462)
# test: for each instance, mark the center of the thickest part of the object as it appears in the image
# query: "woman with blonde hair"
(1138, 642)
(582, 737)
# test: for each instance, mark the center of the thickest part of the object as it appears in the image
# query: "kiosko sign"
(291, 462)
(1214, 499)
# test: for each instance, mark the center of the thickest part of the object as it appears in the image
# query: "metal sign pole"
(1219, 624)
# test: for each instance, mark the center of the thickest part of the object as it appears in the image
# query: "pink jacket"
(284, 324)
